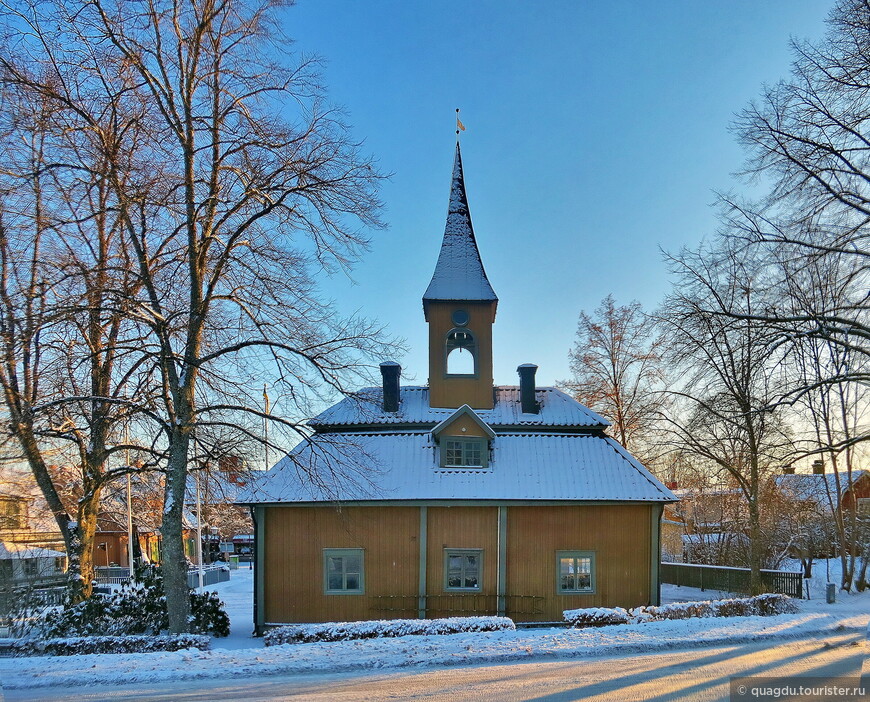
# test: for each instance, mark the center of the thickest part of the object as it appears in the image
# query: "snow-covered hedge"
(382, 628)
(79, 645)
(761, 605)
(596, 616)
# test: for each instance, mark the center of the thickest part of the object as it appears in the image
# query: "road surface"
(689, 674)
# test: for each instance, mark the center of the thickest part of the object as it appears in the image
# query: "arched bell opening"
(461, 351)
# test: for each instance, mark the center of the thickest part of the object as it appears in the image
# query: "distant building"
(464, 498)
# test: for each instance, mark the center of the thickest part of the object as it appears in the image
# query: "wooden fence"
(726, 579)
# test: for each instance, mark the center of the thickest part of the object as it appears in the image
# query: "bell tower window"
(461, 351)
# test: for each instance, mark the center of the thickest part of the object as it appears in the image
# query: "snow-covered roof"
(9, 550)
(365, 408)
(814, 486)
(464, 411)
(459, 273)
(404, 466)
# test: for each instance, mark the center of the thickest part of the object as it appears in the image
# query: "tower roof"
(459, 273)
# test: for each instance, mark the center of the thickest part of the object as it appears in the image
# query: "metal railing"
(727, 579)
(211, 574)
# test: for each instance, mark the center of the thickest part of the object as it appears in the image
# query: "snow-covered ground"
(242, 655)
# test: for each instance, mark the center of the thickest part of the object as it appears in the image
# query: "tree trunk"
(756, 551)
(88, 513)
(172, 529)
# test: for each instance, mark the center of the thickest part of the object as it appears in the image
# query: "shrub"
(677, 610)
(772, 604)
(736, 608)
(384, 628)
(762, 605)
(110, 644)
(596, 616)
(138, 607)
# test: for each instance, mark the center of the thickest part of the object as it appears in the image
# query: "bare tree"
(257, 180)
(617, 370)
(69, 344)
(724, 414)
(830, 404)
(808, 137)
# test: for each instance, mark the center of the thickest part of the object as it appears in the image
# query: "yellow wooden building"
(459, 497)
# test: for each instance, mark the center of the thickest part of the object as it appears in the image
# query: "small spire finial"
(459, 125)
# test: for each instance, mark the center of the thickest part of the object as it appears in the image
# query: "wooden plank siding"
(460, 527)
(293, 561)
(620, 536)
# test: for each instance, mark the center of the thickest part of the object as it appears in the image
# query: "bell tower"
(459, 306)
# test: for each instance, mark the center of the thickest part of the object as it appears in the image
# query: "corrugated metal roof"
(404, 466)
(814, 486)
(365, 408)
(459, 272)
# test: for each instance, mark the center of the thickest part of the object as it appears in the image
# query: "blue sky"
(597, 133)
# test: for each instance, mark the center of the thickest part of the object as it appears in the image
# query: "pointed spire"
(459, 273)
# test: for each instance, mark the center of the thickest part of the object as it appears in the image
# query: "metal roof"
(815, 486)
(402, 466)
(365, 408)
(459, 272)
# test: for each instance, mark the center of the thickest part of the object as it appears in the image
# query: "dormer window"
(462, 440)
(463, 452)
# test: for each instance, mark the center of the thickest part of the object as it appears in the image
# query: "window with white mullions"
(463, 569)
(575, 572)
(343, 571)
(464, 452)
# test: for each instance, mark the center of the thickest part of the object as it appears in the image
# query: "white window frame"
(576, 556)
(344, 553)
(464, 442)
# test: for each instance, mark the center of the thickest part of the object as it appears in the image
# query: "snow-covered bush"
(383, 628)
(137, 608)
(677, 610)
(110, 644)
(596, 616)
(771, 604)
(762, 605)
(735, 608)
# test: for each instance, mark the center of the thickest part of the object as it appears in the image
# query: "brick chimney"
(818, 467)
(788, 470)
(390, 372)
(527, 388)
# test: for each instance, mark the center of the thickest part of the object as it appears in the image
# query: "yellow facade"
(453, 391)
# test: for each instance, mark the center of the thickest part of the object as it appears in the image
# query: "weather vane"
(459, 125)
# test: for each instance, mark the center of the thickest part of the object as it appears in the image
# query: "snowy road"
(700, 674)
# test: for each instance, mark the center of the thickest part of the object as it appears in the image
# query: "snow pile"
(383, 628)
(761, 605)
(596, 616)
(79, 645)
